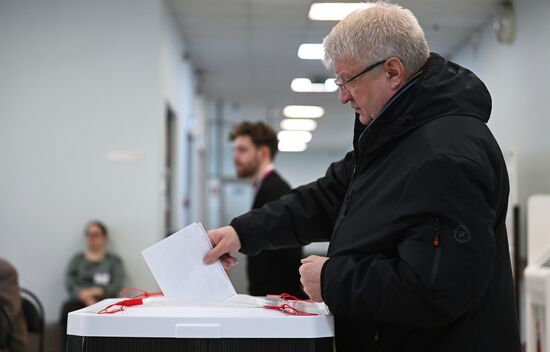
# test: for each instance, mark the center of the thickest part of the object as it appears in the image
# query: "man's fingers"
(224, 240)
(213, 254)
(309, 259)
(219, 252)
(228, 261)
(232, 260)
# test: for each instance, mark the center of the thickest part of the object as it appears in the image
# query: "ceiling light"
(294, 136)
(303, 111)
(305, 85)
(330, 85)
(289, 146)
(300, 85)
(331, 11)
(298, 124)
(311, 52)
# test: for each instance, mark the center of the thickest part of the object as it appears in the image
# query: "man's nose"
(343, 96)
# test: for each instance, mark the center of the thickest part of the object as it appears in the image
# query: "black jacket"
(274, 271)
(416, 220)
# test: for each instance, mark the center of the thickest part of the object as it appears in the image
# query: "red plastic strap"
(121, 305)
(135, 299)
(285, 308)
(138, 293)
(138, 300)
(288, 297)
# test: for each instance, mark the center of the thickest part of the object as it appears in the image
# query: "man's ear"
(264, 152)
(395, 72)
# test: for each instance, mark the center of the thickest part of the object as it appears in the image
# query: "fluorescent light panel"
(333, 11)
(330, 85)
(303, 111)
(294, 136)
(289, 146)
(298, 125)
(311, 51)
(305, 85)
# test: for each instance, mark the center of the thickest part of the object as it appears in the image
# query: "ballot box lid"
(160, 317)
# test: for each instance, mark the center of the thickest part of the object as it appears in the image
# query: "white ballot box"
(537, 274)
(163, 325)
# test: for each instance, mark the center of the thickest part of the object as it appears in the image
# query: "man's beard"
(247, 170)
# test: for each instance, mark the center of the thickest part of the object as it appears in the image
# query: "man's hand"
(310, 276)
(224, 240)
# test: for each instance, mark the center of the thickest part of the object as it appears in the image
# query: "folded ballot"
(176, 263)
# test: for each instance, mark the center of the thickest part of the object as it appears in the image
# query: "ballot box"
(162, 325)
(537, 275)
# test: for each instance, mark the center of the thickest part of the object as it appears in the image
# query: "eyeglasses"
(342, 84)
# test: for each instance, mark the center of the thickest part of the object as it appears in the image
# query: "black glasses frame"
(341, 85)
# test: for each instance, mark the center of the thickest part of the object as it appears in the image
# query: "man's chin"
(243, 174)
(365, 120)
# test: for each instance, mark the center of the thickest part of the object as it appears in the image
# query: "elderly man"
(415, 214)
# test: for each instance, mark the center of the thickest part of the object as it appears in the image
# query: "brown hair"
(260, 134)
(99, 224)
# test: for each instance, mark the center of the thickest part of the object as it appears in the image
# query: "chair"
(34, 315)
(5, 327)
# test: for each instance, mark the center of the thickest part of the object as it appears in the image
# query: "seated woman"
(93, 274)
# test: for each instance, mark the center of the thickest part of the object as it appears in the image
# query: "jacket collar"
(443, 89)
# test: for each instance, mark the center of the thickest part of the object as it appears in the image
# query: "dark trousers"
(69, 306)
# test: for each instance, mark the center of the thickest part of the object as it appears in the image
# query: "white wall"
(81, 79)
(305, 167)
(177, 87)
(200, 161)
(517, 76)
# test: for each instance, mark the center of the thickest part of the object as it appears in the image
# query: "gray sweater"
(107, 274)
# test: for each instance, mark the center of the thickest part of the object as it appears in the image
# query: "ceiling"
(246, 51)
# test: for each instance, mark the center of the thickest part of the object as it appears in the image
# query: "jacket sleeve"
(71, 277)
(445, 251)
(304, 215)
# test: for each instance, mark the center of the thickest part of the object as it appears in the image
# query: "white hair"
(377, 32)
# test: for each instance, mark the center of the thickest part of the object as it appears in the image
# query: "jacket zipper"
(357, 154)
(347, 198)
(437, 246)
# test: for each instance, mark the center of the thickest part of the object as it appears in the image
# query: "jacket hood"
(443, 88)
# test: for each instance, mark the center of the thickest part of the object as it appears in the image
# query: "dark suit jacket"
(274, 271)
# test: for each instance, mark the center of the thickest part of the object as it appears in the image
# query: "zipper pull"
(436, 233)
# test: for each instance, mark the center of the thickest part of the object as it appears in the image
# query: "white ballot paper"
(176, 264)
